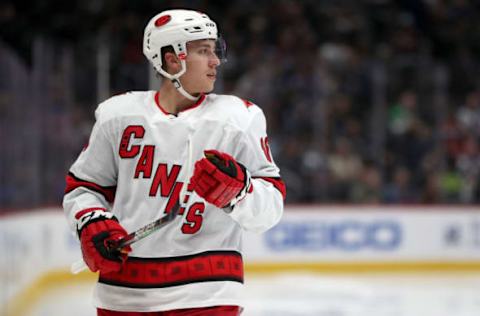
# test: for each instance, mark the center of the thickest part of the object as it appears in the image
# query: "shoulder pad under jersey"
(125, 104)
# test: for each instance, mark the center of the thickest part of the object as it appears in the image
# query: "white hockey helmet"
(175, 28)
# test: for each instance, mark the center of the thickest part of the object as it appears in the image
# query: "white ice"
(292, 294)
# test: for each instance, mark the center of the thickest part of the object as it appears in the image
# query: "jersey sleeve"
(91, 180)
(262, 208)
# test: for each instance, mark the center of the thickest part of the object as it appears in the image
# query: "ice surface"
(304, 294)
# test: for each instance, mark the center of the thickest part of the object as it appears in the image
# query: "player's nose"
(214, 61)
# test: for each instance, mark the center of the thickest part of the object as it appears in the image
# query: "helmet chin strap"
(175, 79)
(178, 85)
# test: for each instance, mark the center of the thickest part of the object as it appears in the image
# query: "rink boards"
(369, 239)
(38, 247)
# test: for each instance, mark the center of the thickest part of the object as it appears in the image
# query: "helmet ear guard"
(175, 28)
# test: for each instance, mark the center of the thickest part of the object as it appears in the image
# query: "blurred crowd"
(367, 101)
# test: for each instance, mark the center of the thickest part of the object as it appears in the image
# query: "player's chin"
(208, 88)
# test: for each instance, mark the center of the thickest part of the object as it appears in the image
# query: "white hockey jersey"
(135, 165)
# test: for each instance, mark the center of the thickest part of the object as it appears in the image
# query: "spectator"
(325, 73)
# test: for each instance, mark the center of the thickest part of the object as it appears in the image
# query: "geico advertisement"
(374, 233)
(346, 235)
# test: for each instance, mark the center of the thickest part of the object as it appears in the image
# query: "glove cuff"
(243, 193)
(92, 217)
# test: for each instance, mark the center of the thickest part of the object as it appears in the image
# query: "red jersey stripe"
(172, 271)
(277, 183)
(73, 182)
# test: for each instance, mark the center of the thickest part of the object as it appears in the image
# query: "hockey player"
(143, 148)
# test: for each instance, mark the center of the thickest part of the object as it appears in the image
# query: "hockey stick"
(139, 234)
(133, 237)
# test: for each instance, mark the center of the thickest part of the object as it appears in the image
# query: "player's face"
(202, 63)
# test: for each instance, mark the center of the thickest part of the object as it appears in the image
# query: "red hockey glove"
(98, 231)
(220, 179)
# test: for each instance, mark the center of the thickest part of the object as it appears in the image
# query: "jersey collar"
(196, 104)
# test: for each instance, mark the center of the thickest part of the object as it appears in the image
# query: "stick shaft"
(135, 236)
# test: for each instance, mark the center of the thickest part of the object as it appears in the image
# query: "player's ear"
(172, 62)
